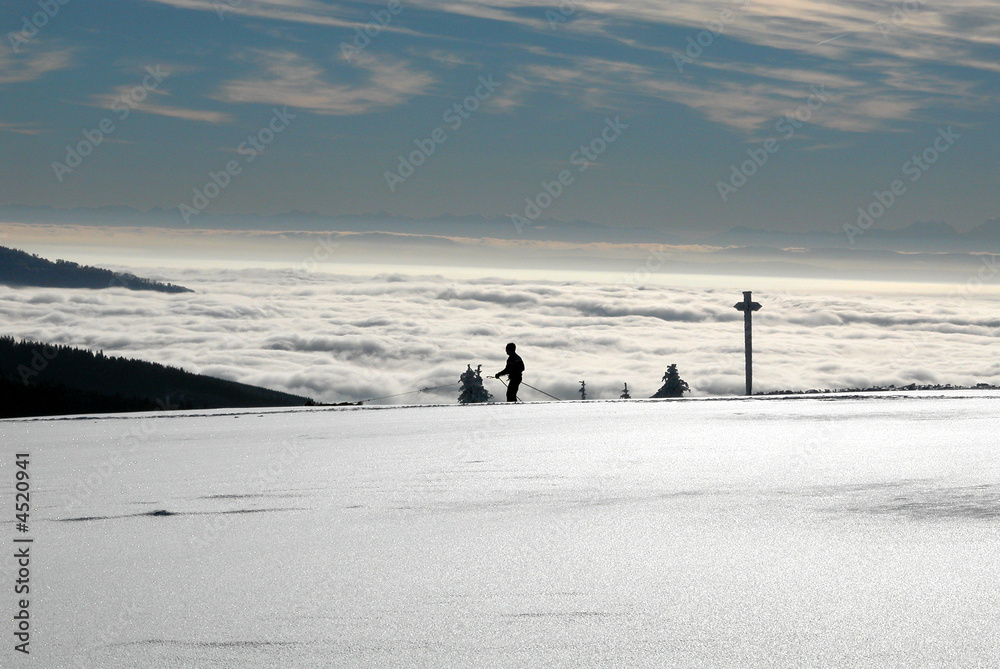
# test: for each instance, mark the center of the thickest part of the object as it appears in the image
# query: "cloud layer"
(347, 338)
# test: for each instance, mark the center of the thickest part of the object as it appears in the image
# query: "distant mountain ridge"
(918, 236)
(19, 268)
(37, 379)
(447, 225)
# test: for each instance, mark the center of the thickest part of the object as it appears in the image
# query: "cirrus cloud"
(288, 78)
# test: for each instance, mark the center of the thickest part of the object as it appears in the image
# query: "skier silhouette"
(513, 370)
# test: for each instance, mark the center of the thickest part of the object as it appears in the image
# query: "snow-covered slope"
(782, 532)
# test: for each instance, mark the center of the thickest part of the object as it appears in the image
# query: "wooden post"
(748, 306)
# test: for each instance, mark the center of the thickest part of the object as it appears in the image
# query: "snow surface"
(856, 531)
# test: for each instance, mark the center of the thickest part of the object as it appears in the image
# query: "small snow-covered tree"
(673, 384)
(583, 390)
(473, 391)
(625, 395)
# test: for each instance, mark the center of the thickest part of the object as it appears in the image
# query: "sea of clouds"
(354, 336)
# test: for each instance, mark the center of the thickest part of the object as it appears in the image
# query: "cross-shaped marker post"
(748, 306)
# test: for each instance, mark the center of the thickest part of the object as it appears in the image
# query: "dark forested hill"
(41, 380)
(18, 268)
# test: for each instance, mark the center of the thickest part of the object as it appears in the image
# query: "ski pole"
(543, 392)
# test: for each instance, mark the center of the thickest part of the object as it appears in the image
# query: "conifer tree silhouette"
(473, 391)
(673, 384)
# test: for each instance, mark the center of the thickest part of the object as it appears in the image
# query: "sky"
(369, 196)
(684, 117)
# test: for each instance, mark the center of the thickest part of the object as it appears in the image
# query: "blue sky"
(693, 88)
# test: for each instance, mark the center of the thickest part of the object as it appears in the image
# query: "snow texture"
(856, 531)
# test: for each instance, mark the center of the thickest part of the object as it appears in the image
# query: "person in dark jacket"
(513, 370)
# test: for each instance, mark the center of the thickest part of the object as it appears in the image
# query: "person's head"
(511, 348)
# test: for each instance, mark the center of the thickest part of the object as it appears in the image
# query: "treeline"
(41, 380)
(54, 399)
(18, 268)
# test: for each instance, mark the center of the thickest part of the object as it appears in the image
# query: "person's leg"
(512, 389)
